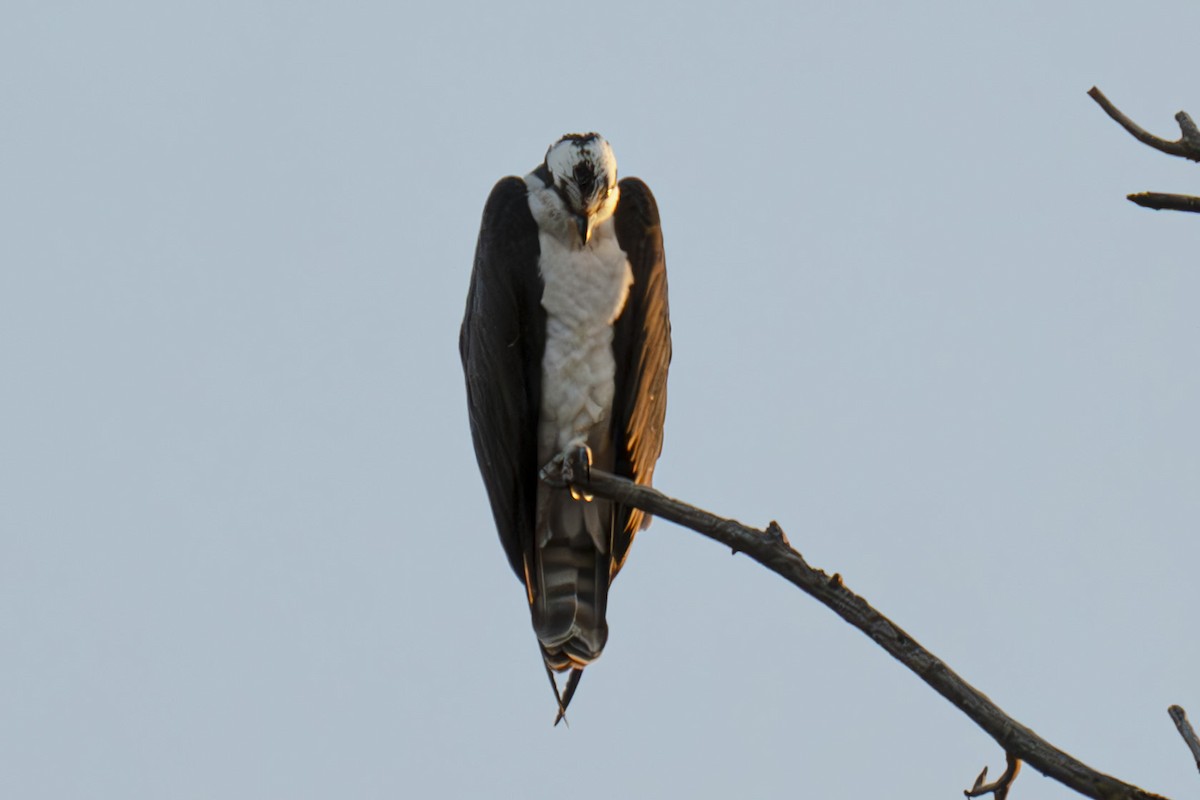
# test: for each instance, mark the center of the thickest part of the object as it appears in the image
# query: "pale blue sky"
(244, 548)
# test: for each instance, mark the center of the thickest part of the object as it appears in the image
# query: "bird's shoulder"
(508, 202)
(637, 207)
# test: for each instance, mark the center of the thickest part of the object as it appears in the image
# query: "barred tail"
(570, 592)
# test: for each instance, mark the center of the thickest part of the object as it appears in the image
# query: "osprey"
(565, 346)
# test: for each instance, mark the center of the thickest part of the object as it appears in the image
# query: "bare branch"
(1187, 146)
(771, 549)
(1167, 202)
(1186, 731)
(1001, 785)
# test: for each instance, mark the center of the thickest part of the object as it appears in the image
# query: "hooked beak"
(584, 225)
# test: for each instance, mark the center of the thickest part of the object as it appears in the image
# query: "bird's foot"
(552, 473)
(577, 466)
(571, 466)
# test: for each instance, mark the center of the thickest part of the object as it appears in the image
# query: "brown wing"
(642, 350)
(501, 342)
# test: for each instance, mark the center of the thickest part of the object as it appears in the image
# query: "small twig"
(771, 549)
(1189, 134)
(1001, 785)
(565, 699)
(1179, 716)
(1167, 202)
(1187, 146)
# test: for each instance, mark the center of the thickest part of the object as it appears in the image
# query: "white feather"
(585, 291)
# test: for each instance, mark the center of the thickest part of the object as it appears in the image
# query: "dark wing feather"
(642, 349)
(501, 343)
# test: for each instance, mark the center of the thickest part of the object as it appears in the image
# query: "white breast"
(585, 291)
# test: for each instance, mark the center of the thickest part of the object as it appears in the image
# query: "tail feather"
(570, 595)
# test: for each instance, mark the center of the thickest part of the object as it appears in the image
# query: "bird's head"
(584, 171)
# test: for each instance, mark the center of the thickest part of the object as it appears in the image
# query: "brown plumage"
(567, 549)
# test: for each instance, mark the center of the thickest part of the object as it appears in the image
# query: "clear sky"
(244, 548)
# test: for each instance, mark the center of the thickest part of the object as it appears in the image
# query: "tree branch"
(771, 549)
(1167, 202)
(1187, 146)
(1186, 731)
(1001, 785)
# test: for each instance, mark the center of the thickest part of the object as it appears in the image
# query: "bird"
(565, 346)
